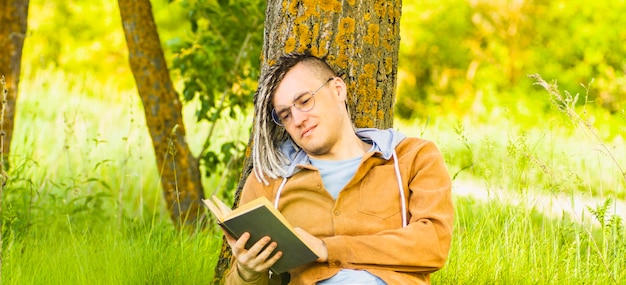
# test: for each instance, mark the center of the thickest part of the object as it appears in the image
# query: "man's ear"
(339, 88)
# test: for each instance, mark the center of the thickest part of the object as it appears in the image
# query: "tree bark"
(13, 25)
(179, 169)
(360, 39)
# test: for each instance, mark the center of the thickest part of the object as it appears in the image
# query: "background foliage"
(219, 67)
(462, 56)
(84, 189)
(467, 53)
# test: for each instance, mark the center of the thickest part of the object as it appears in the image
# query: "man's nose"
(298, 116)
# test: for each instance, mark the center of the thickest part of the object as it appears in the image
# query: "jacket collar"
(384, 141)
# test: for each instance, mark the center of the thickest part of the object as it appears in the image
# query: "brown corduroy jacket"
(362, 228)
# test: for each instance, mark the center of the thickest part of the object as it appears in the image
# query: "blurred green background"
(84, 193)
(456, 55)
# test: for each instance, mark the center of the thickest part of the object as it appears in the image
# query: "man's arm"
(256, 261)
(250, 266)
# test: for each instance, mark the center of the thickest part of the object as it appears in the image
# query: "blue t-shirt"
(352, 277)
(335, 175)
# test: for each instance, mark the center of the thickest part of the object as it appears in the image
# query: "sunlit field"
(83, 202)
(539, 182)
(83, 196)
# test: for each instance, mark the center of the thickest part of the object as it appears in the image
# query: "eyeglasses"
(304, 103)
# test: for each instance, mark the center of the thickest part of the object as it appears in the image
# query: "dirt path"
(555, 205)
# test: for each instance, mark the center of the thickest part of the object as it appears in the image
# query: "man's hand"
(317, 244)
(253, 262)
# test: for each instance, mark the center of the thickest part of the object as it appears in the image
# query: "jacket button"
(337, 263)
(336, 213)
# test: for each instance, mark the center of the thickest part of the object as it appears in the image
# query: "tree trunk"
(13, 22)
(360, 39)
(179, 169)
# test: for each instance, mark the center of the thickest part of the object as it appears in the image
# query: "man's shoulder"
(415, 142)
(266, 180)
(415, 145)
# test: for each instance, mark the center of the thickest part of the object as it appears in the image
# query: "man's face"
(318, 130)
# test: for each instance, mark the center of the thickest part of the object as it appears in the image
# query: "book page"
(224, 209)
(215, 209)
(247, 207)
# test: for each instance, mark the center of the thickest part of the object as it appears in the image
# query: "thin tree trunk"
(179, 169)
(360, 39)
(3, 176)
(13, 25)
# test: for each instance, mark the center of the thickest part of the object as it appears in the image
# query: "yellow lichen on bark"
(292, 9)
(379, 93)
(309, 8)
(314, 51)
(315, 38)
(367, 84)
(394, 14)
(329, 5)
(372, 37)
(364, 121)
(388, 64)
(367, 81)
(369, 69)
(380, 115)
(386, 39)
(346, 26)
(307, 12)
(315, 33)
(320, 51)
(344, 40)
(290, 45)
(380, 8)
(351, 86)
(249, 148)
(355, 63)
(303, 33)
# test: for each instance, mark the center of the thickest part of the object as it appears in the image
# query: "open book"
(259, 218)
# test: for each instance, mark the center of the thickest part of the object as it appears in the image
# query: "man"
(375, 206)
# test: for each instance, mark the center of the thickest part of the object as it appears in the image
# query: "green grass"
(83, 204)
(135, 254)
(509, 238)
(496, 244)
(546, 152)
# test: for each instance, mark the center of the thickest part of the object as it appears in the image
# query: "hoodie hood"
(384, 141)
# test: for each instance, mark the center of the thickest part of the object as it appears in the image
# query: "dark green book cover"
(261, 220)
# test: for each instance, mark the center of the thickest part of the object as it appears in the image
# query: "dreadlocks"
(268, 136)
